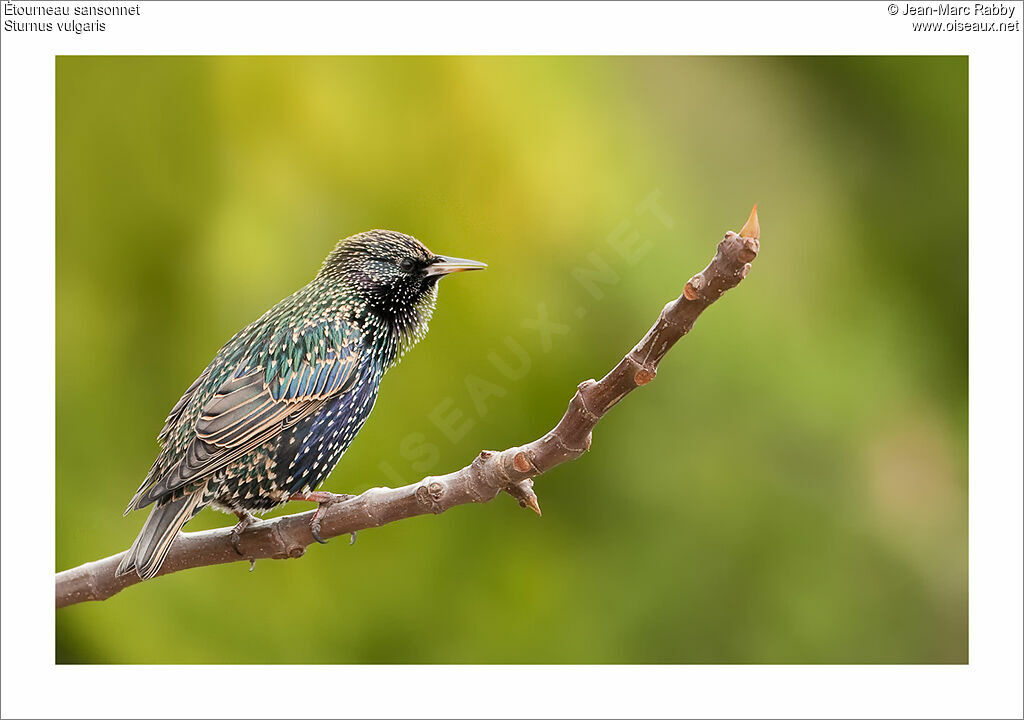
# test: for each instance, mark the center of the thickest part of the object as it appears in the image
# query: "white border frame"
(990, 686)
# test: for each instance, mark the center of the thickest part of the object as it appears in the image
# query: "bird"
(271, 415)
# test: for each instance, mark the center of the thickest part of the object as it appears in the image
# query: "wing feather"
(246, 411)
(179, 407)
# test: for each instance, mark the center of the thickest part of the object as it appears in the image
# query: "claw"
(245, 519)
(314, 527)
(324, 500)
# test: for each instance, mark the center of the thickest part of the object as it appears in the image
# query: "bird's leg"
(245, 519)
(323, 500)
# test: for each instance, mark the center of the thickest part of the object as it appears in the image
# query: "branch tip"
(532, 503)
(751, 229)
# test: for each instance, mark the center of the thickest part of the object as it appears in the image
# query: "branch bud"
(751, 229)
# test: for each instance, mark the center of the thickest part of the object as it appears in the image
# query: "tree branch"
(510, 470)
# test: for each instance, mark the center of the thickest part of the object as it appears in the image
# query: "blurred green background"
(791, 489)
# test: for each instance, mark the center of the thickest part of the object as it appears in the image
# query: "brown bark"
(511, 470)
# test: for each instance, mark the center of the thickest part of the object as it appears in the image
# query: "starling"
(271, 415)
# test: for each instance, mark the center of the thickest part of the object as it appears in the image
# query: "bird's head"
(391, 274)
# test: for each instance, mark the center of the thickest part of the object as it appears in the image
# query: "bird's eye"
(407, 265)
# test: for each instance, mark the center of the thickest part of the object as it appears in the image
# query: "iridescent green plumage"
(271, 415)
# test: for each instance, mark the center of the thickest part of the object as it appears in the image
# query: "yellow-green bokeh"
(791, 488)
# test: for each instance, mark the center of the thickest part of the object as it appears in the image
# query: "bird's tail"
(147, 553)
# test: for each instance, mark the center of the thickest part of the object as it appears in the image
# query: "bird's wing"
(179, 407)
(275, 389)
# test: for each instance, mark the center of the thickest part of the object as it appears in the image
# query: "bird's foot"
(324, 500)
(245, 519)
